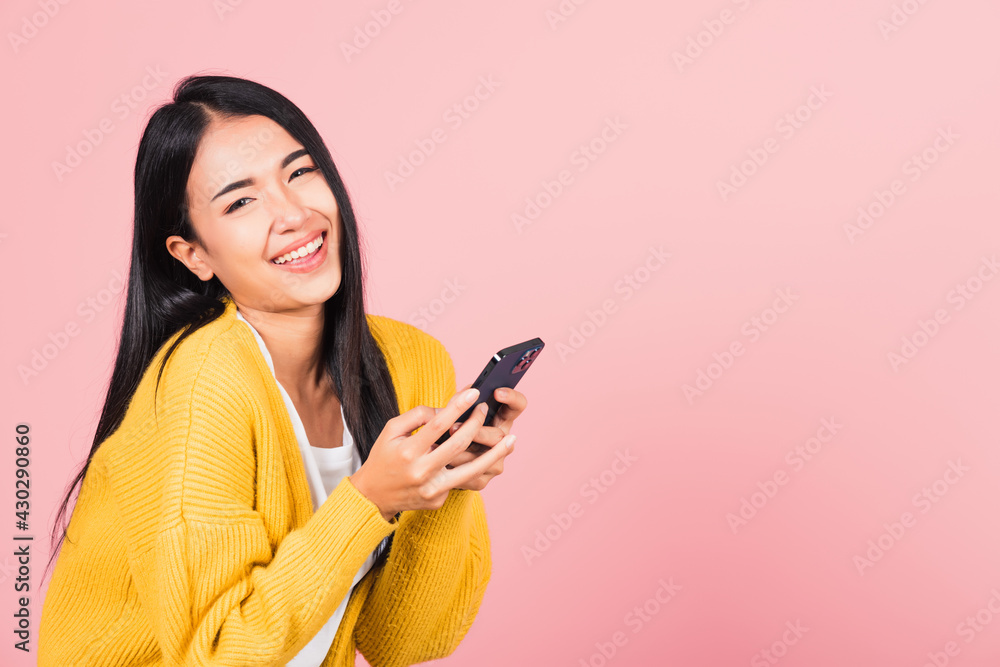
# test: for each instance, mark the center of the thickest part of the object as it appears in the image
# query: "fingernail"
(483, 408)
(501, 393)
(510, 440)
(470, 395)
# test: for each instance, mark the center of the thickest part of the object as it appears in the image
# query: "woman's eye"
(234, 207)
(305, 169)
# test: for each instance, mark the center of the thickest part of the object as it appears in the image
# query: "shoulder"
(415, 358)
(404, 338)
(216, 357)
(195, 421)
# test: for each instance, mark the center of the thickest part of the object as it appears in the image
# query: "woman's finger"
(486, 435)
(479, 483)
(462, 475)
(474, 450)
(512, 404)
(439, 456)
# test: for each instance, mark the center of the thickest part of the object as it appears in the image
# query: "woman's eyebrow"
(236, 185)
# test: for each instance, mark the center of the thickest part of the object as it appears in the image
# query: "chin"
(331, 289)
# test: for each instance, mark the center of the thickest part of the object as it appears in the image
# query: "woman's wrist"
(357, 479)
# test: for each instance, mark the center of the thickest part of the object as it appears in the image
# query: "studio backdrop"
(758, 238)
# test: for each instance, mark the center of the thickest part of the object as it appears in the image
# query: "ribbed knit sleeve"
(214, 584)
(425, 597)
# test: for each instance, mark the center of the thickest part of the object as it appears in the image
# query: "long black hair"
(164, 297)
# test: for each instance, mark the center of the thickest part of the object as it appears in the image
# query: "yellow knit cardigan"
(194, 540)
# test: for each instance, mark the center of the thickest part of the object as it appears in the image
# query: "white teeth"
(307, 249)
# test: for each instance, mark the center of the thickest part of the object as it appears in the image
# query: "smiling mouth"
(301, 254)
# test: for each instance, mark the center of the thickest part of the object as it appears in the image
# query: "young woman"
(256, 493)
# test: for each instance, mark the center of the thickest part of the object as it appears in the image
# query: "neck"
(293, 339)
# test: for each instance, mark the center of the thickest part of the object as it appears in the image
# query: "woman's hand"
(407, 471)
(513, 403)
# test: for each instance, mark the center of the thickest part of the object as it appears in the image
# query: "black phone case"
(505, 369)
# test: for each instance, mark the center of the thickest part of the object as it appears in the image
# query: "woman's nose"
(286, 210)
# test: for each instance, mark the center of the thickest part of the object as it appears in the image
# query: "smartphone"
(505, 369)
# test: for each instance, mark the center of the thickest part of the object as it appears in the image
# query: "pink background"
(889, 89)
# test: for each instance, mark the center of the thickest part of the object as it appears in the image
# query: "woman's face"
(255, 196)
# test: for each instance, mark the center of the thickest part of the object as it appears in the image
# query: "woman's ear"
(186, 253)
